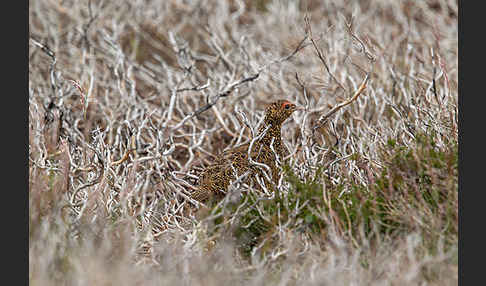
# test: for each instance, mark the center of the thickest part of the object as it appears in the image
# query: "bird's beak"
(299, 107)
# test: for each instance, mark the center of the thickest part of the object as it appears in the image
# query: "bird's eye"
(287, 105)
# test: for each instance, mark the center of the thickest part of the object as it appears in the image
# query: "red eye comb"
(287, 105)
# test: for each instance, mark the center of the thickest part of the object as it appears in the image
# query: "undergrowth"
(130, 100)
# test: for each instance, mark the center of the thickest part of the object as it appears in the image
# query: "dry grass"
(129, 100)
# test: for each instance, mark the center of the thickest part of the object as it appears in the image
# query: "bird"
(266, 150)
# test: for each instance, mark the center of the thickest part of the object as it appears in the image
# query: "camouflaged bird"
(233, 163)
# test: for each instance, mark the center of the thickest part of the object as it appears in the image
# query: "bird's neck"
(273, 133)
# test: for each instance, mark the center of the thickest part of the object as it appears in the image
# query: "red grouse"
(233, 163)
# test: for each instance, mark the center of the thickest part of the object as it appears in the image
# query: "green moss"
(261, 5)
(422, 181)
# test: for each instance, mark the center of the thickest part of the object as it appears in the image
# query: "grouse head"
(276, 113)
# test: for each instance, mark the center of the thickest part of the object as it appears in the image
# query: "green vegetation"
(417, 191)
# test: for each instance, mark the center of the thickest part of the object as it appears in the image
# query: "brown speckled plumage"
(215, 179)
